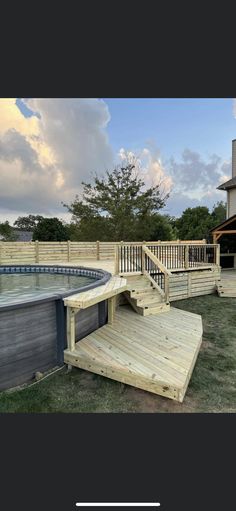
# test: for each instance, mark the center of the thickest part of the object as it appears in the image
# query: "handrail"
(156, 261)
(166, 273)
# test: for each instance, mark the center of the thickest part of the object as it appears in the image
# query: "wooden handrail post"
(98, 250)
(117, 260)
(167, 287)
(36, 251)
(0, 253)
(186, 257)
(143, 259)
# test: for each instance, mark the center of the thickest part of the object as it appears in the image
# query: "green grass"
(212, 387)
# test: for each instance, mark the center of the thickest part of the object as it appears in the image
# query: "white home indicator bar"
(118, 504)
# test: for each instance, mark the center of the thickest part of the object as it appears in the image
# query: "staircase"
(145, 299)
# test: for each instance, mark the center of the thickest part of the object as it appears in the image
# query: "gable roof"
(228, 184)
(223, 224)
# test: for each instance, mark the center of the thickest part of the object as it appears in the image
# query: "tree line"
(119, 207)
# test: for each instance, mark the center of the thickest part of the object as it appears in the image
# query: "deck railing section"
(187, 256)
(156, 272)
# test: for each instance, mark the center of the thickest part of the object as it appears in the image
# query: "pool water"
(15, 288)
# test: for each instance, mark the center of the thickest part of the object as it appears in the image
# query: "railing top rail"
(156, 261)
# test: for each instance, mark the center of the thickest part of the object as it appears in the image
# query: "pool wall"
(33, 334)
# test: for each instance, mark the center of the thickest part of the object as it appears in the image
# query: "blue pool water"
(21, 287)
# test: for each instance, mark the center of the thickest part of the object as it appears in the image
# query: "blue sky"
(48, 146)
(204, 125)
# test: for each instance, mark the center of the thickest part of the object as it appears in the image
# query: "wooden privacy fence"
(170, 253)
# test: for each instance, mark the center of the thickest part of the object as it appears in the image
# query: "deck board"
(155, 353)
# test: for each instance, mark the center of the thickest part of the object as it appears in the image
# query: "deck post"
(143, 258)
(186, 257)
(117, 265)
(98, 250)
(70, 329)
(36, 251)
(111, 309)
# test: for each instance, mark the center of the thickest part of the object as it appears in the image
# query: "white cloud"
(150, 167)
(43, 159)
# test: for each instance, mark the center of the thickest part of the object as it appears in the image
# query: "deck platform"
(155, 353)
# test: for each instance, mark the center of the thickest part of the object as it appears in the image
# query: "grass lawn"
(212, 387)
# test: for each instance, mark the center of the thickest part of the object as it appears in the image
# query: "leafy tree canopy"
(194, 224)
(7, 232)
(50, 229)
(116, 206)
(218, 213)
(27, 223)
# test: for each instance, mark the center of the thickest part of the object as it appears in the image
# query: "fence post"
(98, 250)
(0, 253)
(117, 259)
(36, 251)
(68, 251)
(186, 257)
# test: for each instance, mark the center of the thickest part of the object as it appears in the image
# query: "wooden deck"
(157, 353)
(227, 285)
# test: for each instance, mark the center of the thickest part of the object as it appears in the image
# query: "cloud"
(44, 158)
(149, 165)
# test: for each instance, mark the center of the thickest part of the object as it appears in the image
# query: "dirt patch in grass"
(212, 387)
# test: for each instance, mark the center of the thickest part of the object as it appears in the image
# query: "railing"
(187, 256)
(157, 273)
(173, 256)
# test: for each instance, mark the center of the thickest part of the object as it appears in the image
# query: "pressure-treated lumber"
(85, 299)
(156, 354)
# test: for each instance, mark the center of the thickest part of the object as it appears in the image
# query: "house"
(23, 235)
(225, 233)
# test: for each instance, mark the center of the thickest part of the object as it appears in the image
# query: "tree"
(28, 223)
(7, 232)
(195, 223)
(50, 229)
(116, 206)
(218, 213)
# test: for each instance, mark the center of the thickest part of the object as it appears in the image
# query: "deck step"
(226, 288)
(145, 299)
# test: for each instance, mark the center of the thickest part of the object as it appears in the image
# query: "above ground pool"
(18, 284)
(33, 316)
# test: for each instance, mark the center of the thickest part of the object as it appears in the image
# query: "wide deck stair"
(144, 298)
(226, 287)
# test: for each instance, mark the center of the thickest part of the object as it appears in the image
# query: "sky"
(49, 146)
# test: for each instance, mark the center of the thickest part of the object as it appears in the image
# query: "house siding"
(231, 202)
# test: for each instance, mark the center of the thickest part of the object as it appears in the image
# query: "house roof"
(228, 184)
(223, 224)
(23, 235)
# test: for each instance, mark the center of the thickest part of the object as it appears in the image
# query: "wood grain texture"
(156, 354)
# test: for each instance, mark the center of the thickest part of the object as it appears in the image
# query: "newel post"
(186, 257)
(143, 257)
